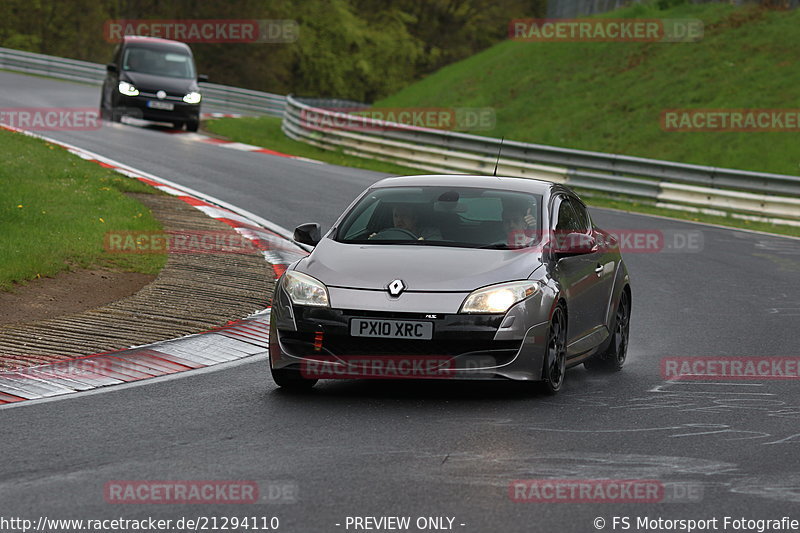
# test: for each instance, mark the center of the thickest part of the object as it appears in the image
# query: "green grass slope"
(55, 210)
(609, 96)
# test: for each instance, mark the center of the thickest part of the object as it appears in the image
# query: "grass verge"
(56, 208)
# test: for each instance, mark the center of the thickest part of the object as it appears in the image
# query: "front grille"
(171, 97)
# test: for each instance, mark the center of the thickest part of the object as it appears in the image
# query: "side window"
(567, 219)
(582, 216)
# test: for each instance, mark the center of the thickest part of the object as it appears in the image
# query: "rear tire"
(612, 359)
(555, 358)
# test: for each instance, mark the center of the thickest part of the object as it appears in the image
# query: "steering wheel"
(390, 234)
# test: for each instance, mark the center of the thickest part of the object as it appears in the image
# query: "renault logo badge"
(396, 287)
(161, 95)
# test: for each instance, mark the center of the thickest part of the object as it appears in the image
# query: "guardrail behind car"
(232, 99)
(713, 190)
(738, 193)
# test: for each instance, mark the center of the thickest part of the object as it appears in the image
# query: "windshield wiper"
(494, 246)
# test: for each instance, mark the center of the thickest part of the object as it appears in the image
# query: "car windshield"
(171, 63)
(464, 217)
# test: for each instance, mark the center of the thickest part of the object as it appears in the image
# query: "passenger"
(519, 225)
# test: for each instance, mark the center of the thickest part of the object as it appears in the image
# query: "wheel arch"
(622, 284)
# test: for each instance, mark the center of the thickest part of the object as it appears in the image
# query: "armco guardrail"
(232, 99)
(243, 100)
(57, 67)
(738, 193)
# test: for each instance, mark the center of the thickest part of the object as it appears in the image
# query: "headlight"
(305, 290)
(127, 89)
(193, 97)
(499, 298)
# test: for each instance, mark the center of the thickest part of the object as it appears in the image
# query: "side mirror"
(202, 77)
(571, 244)
(111, 67)
(308, 233)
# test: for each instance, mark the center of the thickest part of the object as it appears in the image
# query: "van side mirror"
(202, 78)
(111, 67)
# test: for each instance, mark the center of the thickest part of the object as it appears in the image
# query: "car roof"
(509, 183)
(143, 39)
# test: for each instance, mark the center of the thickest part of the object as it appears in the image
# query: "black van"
(152, 79)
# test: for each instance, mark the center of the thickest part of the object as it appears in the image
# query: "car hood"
(422, 268)
(151, 83)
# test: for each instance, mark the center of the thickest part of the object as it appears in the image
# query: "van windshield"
(158, 62)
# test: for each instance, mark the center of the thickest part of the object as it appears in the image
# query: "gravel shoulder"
(194, 292)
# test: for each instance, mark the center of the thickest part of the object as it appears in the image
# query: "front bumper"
(137, 107)
(462, 346)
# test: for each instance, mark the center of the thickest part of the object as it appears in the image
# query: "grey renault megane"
(465, 277)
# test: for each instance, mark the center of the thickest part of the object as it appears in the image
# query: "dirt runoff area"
(68, 293)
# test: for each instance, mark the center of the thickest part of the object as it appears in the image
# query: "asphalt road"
(432, 448)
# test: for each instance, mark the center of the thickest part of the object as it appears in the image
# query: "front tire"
(555, 359)
(104, 115)
(193, 125)
(612, 359)
(116, 116)
(291, 379)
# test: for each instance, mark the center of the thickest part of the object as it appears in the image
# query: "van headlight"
(497, 299)
(127, 89)
(305, 290)
(193, 97)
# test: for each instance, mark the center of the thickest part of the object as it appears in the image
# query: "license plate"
(167, 106)
(391, 329)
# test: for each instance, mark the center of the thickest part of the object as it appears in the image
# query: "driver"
(406, 217)
(134, 62)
